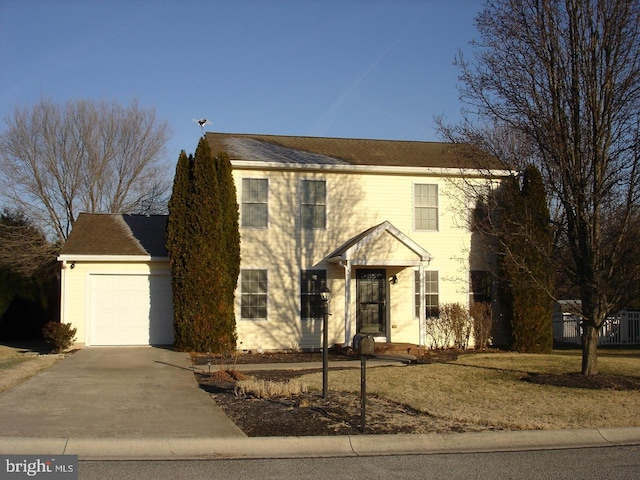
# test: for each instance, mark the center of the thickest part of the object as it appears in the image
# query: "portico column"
(422, 325)
(348, 331)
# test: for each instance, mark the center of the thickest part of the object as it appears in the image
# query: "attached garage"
(115, 282)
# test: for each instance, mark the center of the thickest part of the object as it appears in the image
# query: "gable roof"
(116, 234)
(351, 247)
(349, 151)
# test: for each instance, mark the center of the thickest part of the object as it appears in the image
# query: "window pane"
(313, 209)
(254, 190)
(480, 286)
(426, 195)
(311, 282)
(253, 294)
(255, 194)
(425, 207)
(431, 293)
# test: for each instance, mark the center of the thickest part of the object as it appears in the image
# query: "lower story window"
(480, 286)
(311, 282)
(430, 293)
(253, 294)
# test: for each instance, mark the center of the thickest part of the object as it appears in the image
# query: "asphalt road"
(606, 463)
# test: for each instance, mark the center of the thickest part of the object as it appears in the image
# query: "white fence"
(622, 329)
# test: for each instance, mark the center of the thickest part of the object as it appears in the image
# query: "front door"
(371, 288)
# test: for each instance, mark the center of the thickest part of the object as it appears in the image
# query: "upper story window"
(313, 204)
(425, 204)
(255, 202)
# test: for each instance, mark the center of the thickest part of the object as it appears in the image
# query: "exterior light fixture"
(325, 294)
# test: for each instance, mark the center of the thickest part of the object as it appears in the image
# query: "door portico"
(368, 257)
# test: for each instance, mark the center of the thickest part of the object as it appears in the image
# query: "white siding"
(355, 202)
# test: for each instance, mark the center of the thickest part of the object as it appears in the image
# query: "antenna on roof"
(202, 122)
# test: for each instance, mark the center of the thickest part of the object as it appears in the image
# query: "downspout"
(63, 291)
(348, 335)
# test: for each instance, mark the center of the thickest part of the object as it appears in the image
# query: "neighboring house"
(384, 224)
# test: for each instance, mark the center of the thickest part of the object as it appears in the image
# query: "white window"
(253, 294)
(255, 206)
(430, 293)
(425, 204)
(313, 204)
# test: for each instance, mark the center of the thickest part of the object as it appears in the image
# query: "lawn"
(18, 365)
(488, 389)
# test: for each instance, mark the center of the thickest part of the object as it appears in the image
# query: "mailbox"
(364, 344)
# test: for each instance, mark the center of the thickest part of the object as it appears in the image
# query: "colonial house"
(385, 225)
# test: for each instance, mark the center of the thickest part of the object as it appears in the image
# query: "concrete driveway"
(117, 392)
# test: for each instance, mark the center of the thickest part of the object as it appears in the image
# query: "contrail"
(327, 116)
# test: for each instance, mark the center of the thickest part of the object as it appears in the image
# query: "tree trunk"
(590, 350)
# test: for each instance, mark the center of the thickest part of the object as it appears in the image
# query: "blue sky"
(350, 68)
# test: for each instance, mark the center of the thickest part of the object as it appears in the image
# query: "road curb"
(325, 446)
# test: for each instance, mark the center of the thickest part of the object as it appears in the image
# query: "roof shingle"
(117, 234)
(347, 151)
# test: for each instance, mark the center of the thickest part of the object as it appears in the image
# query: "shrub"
(482, 322)
(456, 317)
(451, 329)
(268, 388)
(59, 335)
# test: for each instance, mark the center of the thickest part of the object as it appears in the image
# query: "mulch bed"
(340, 413)
(594, 382)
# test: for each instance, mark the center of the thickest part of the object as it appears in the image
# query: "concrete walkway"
(144, 403)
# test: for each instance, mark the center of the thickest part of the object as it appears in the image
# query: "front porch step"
(391, 348)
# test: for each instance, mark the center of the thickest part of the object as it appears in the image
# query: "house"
(383, 224)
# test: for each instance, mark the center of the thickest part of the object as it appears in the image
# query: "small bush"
(451, 329)
(59, 335)
(269, 389)
(482, 316)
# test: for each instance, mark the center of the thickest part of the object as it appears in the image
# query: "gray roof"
(117, 234)
(347, 151)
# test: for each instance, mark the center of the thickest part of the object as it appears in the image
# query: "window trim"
(326, 203)
(416, 293)
(242, 203)
(308, 295)
(242, 295)
(436, 208)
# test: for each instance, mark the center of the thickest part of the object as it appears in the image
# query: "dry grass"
(268, 388)
(16, 367)
(487, 389)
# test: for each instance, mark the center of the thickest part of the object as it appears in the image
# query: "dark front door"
(372, 302)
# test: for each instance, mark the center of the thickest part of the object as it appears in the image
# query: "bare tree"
(565, 75)
(59, 160)
(23, 248)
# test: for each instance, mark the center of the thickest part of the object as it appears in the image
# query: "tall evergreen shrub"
(204, 250)
(525, 262)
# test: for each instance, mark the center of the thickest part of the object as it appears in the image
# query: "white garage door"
(131, 310)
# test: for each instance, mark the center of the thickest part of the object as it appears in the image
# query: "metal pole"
(325, 349)
(363, 392)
